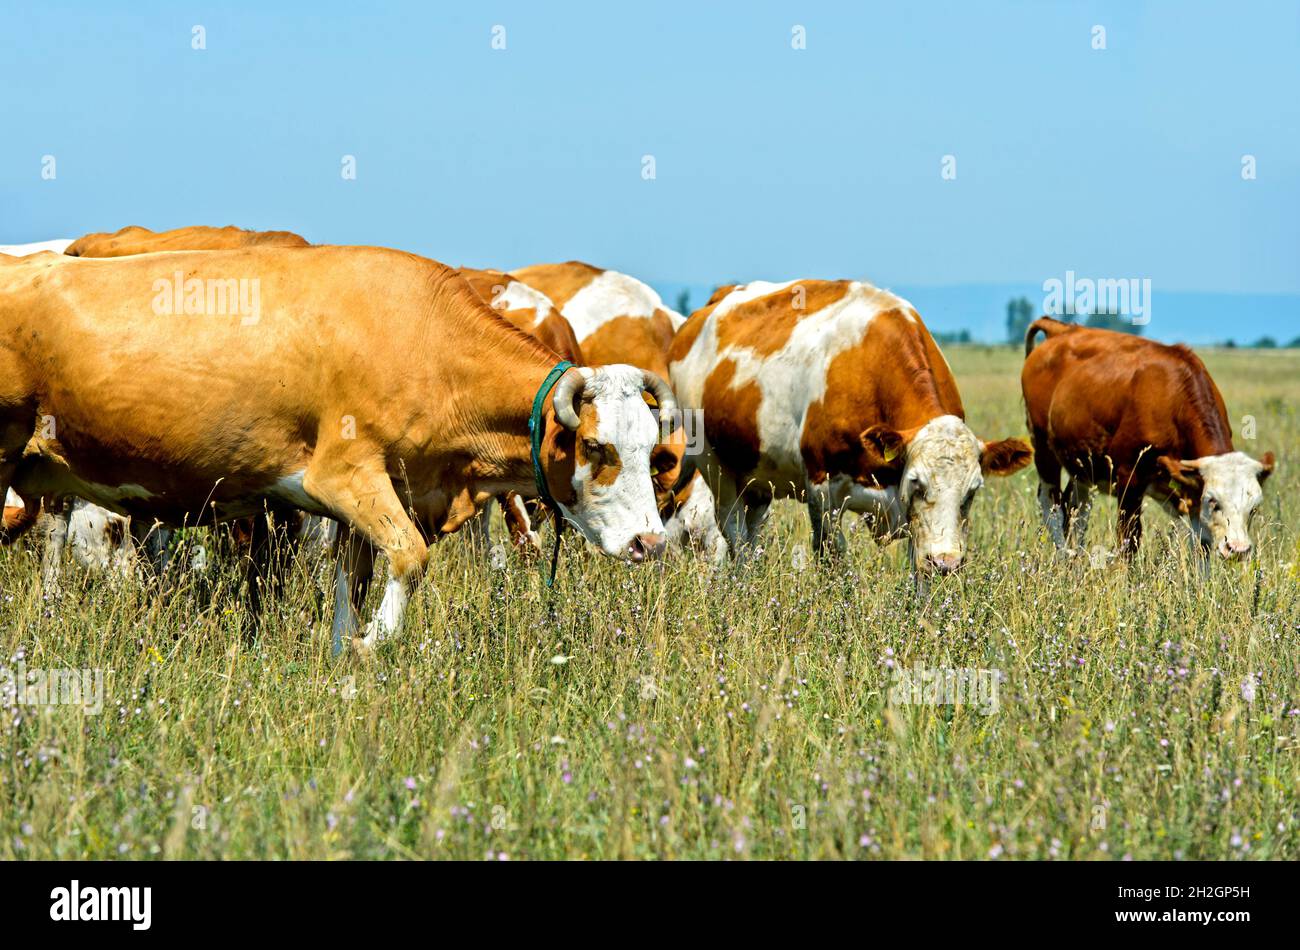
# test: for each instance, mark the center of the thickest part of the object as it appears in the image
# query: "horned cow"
(619, 319)
(343, 402)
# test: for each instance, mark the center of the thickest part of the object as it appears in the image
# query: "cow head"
(1221, 493)
(939, 467)
(611, 496)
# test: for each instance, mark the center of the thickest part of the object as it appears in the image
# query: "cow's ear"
(1006, 457)
(1268, 461)
(1184, 473)
(883, 448)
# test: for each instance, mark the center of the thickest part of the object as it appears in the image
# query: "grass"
(664, 712)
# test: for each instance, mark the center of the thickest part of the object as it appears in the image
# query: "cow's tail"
(1049, 328)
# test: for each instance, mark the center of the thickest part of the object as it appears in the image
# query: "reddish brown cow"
(1134, 417)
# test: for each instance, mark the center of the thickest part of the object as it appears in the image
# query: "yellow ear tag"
(891, 454)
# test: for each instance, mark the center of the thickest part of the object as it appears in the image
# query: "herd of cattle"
(397, 398)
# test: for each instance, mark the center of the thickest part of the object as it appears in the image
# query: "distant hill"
(1176, 316)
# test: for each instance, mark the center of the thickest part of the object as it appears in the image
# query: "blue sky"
(770, 162)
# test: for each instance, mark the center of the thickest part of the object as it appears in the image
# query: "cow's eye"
(592, 448)
(1212, 502)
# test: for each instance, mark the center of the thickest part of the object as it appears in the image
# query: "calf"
(1133, 417)
(833, 392)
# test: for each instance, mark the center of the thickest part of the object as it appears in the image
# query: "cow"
(1135, 418)
(97, 537)
(134, 239)
(375, 388)
(834, 392)
(534, 313)
(619, 319)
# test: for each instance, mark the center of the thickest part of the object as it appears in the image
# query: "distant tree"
(684, 302)
(1294, 344)
(960, 336)
(1265, 343)
(1230, 345)
(1113, 321)
(1020, 313)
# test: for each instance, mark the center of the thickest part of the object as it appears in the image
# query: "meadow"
(671, 712)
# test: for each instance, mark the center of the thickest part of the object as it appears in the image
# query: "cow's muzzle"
(644, 546)
(942, 564)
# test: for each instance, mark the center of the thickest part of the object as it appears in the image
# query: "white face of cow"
(940, 479)
(615, 505)
(942, 466)
(1231, 488)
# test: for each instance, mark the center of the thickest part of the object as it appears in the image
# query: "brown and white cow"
(534, 313)
(835, 393)
(1134, 417)
(134, 239)
(373, 380)
(619, 319)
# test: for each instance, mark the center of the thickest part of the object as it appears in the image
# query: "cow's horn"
(663, 396)
(569, 386)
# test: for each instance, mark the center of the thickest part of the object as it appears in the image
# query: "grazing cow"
(531, 311)
(96, 535)
(100, 539)
(1133, 417)
(373, 380)
(137, 240)
(619, 319)
(833, 392)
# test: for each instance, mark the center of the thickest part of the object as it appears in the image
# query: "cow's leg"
(264, 566)
(1051, 500)
(1130, 519)
(730, 512)
(54, 527)
(824, 510)
(152, 543)
(1078, 509)
(478, 531)
(354, 566)
(1202, 548)
(364, 496)
(14, 433)
(757, 504)
(520, 525)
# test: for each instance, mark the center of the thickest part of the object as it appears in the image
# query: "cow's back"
(134, 240)
(526, 308)
(140, 386)
(615, 317)
(1099, 393)
(788, 375)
